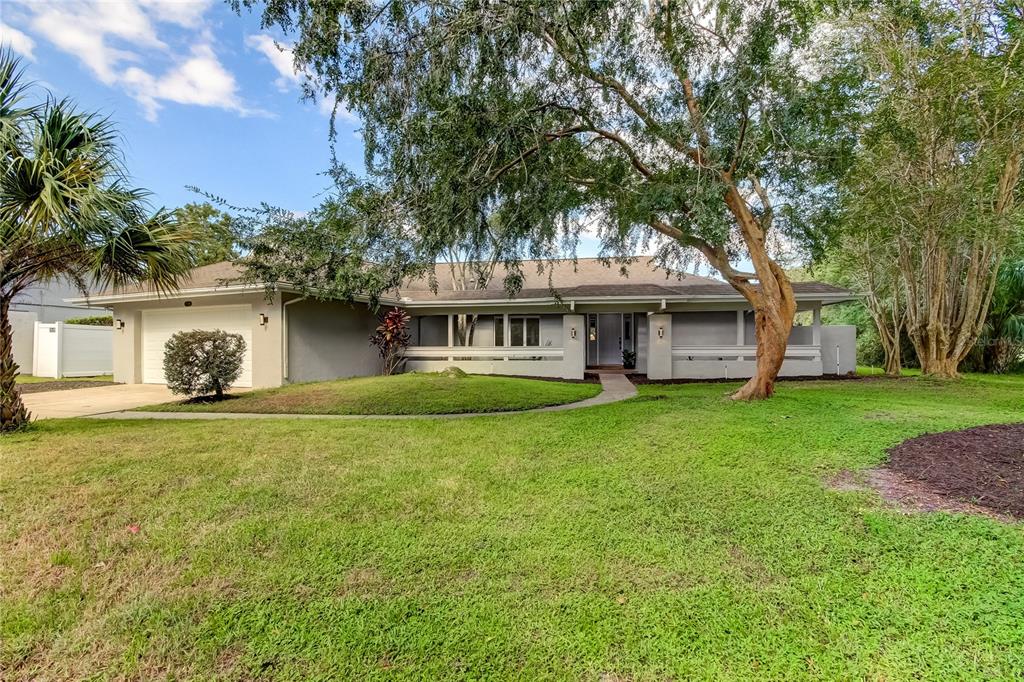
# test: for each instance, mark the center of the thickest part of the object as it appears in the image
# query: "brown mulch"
(906, 494)
(44, 386)
(641, 379)
(983, 466)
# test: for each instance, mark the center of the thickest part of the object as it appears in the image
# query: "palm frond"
(13, 108)
(157, 251)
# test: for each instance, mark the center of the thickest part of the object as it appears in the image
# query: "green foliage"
(537, 121)
(349, 246)
(933, 201)
(215, 238)
(198, 363)
(1002, 341)
(677, 536)
(95, 320)
(391, 338)
(628, 359)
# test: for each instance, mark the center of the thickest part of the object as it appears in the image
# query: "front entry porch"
(611, 341)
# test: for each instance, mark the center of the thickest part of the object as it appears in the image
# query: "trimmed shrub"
(203, 362)
(95, 320)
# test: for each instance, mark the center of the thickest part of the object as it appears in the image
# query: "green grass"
(399, 394)
(678, 535)
(29, 379)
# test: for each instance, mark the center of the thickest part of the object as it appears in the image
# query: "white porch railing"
(735, 362)
(731, 352)
(484, 353)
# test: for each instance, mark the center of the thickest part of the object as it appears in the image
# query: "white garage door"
(159, 325)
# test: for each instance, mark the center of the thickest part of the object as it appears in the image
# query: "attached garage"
(159, 325)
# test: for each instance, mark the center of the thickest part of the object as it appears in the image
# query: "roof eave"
(831, 297)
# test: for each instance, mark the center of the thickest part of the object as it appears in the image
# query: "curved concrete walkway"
(614, 387)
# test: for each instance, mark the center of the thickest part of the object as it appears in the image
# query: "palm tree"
(1003, 337)
(66, 211)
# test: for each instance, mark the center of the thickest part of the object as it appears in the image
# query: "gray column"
(574, 360)
(659, 346)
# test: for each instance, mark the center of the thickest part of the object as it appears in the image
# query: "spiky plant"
(66, 211)
(1003, 338)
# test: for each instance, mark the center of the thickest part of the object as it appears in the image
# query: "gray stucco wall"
(800, 336)
(329, 341)
(845, 338)
(704, 328)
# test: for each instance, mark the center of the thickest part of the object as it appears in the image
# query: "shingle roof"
(203, 277)
(609, 291)
(544, 274)
(586, 278)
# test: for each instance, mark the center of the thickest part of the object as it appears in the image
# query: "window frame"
(524, 318)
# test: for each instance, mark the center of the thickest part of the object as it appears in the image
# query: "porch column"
(659, 348)
(816, 329)
(127, 343)
(574, 358)
(506, 333)
(740, 332)
(451, 336)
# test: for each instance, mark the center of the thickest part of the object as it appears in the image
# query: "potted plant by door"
(628, 359)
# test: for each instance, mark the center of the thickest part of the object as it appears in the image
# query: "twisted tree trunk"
(13, 414)
(772, 298)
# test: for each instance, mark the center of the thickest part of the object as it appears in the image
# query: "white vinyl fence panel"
(72, 350)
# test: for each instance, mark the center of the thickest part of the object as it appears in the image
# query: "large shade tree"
(933, 200)
(66, 211)
(693, 125)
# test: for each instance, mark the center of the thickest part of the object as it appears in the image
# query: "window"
(499, 330)
(525, 331)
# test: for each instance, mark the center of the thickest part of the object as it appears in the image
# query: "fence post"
(60, 350)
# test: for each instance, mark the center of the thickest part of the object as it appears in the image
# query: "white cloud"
(118, 41)
(18, 41)
(186, 13)
(199, 80)
(280, 57)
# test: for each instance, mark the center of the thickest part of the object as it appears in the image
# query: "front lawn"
(400, 394)
(675, 536)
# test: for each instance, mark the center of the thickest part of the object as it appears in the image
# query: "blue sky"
(201, 96)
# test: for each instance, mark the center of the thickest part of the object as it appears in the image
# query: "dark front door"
(609, 339)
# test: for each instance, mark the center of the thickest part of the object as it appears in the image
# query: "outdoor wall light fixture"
(118, 324)
(263, 320)
(572, 333)
(661, 332)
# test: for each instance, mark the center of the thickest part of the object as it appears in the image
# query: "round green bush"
(203, 362)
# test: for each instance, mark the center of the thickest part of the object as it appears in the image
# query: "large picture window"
(524, 331)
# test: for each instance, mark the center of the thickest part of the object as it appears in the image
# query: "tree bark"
(772, 326)
(772, 299)
(893, 361)
(13, 414)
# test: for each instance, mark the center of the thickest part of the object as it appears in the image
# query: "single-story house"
(568, 317)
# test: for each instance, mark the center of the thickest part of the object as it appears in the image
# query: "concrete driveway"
(85, 401)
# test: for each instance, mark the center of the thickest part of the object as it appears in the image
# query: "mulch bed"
(207, 399)
(44, 386)
(641, 379)
(983, 465)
